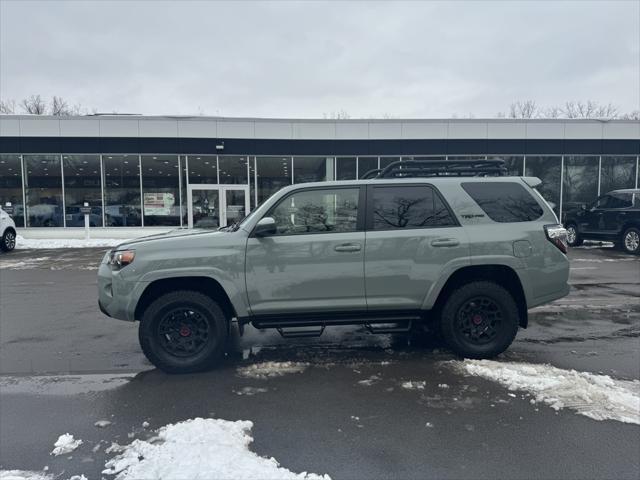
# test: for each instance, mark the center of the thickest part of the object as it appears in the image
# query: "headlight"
(121, 258)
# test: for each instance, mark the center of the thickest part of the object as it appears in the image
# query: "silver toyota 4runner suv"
(457, 247)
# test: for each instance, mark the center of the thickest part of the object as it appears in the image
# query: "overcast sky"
(306, 59)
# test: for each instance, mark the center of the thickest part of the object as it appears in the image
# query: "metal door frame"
(222, 199)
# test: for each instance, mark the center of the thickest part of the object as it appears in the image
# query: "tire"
(8, 241)
(573, 239)
(466, 324)
(630, 242)
(195, 332)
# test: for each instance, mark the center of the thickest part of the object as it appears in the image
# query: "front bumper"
(117, 297)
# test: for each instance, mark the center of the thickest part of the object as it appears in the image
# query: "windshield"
(238, 223)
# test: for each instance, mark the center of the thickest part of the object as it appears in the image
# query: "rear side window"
(409, 206)
(504, 202)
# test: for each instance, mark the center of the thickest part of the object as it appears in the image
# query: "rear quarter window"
(504, 202)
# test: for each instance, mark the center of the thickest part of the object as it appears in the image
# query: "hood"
(181, 232)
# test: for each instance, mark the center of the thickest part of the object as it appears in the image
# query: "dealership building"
(144, 173)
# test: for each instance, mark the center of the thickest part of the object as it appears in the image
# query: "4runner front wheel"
(183, 331)
(479, 320)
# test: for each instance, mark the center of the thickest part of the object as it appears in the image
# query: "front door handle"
(445, 242)
(348, 247)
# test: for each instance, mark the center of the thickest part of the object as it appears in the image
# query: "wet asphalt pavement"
(64, 366)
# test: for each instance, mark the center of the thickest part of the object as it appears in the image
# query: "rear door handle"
(445, 242)
(348, 247)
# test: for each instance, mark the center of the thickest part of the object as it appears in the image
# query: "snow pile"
(102, 423)
(414, 385)
(23, 475)
(24, 243)
(65, 444)
(266, 370)
(599, 397)
(25, 264)
(199, 449)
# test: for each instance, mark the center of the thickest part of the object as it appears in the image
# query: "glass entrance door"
(214, 206)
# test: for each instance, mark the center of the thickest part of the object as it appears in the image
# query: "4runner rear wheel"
(183, 331)
(479, 320)
(573, 239)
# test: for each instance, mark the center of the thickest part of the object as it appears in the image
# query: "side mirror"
(266, 226)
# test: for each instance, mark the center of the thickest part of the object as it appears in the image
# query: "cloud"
(288, 59)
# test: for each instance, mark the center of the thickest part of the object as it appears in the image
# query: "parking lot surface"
(348, 404)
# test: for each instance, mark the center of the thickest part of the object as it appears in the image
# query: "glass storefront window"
(160, 190)
(43, 190)
(346, 168)
(183, 197)
(580, 184)
(366, 164)
(547, 169)
(82, 184)
(233, 170)
(385, 161)
(11, 186)
(203, 169)
(274, 173)
(513, 163)
(617, 173)
(122, 191)
(312, 169)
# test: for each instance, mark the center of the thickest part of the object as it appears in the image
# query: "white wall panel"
(235, 129)
(197, 129)
(464, 129)
(385, 130)
(314, 130)
(506, 130)
(39, 127)
(430, 130)
(117, 127)
(591, 130)
(274, 129)
(158, 128)
(80, 127)
(621, 131)
(545, 130)
(9, 127)
(352, 130)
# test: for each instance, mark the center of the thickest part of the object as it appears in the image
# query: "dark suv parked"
(614, 217)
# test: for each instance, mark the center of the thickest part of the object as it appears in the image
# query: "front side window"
(616, 200)
(504, 202)
(408, 207)
(317, 211)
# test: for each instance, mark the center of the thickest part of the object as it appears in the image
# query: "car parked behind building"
(450, 246)
(613, 217)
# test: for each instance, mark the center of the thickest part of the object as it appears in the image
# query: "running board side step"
(297, 333)
(386, 328)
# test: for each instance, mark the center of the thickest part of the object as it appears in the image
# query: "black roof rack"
(439, 168)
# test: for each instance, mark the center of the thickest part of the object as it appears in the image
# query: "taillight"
(557, 235)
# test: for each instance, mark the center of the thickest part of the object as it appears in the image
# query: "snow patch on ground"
(102, 423)
(25, 264)
(250, 391)
(216, 449)
(369, 381)
(599, 397)
(65, 444)
(414, 385)
(23, 475)
(63, 384)
(37, 243)
(602, 260)
(266, 370)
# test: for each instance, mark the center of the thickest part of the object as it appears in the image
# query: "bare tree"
(589, 109)
(34, 105)
(8, 107)
(59, 107)
(524, 109)
(635, 115)
(337, 115)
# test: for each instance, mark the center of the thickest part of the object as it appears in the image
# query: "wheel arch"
(502, 275)
(205, 285)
